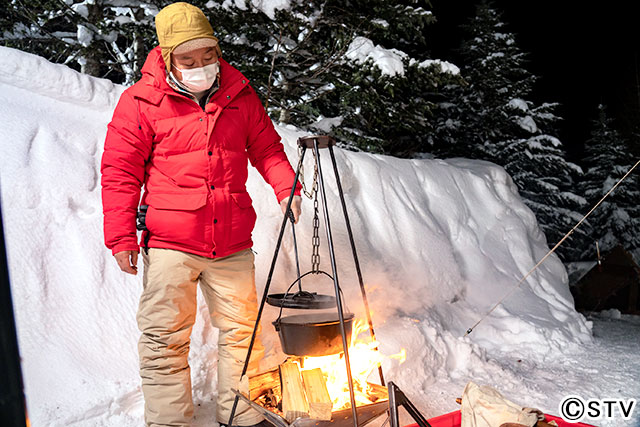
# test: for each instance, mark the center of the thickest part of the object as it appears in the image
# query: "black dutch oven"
(313, 334)
(309, 334)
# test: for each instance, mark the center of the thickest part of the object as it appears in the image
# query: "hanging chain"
(315, 253)
(314, 186)
(313, 194)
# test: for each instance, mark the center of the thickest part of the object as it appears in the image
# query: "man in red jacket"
(185, 132)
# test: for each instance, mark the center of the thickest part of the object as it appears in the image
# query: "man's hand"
(127, 261)
(295, 206)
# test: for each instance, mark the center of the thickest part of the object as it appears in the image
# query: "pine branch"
(273, 64)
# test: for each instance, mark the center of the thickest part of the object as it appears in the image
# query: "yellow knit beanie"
(182, 27)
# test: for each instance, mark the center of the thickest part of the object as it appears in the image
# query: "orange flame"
(364, 358)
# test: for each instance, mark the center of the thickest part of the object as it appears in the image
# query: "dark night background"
(582, 56)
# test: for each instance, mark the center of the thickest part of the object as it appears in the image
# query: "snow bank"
(439, 242)
(32, 73)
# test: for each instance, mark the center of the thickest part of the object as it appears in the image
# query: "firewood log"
(294, 401)
(315, 387)
(264, 382)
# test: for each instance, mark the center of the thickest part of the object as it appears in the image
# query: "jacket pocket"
(242, 199)
(243, 219)
(177, 218)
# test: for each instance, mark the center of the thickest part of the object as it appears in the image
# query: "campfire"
(317, 387)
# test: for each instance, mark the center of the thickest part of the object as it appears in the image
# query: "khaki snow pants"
(166, 314)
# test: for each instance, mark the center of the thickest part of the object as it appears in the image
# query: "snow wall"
(440, 242)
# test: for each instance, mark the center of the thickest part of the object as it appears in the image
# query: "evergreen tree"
(491, 118)
(447, 139)
(617, 219)
(305, 59)
(488, 109)
(315, 66)
(102, 38)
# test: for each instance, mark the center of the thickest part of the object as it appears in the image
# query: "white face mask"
(199, 79)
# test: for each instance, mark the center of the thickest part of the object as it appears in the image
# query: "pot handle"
(277, 321)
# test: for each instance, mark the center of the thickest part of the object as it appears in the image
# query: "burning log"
(291, 392)
(294, 401)
(320, 405)
(262, 383)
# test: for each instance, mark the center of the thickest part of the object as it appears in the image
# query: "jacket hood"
(154, 76)
(153, 70)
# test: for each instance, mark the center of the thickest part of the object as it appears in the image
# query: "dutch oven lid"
(314, 319)
(302, 300)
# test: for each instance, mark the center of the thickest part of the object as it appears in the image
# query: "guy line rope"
(515, 287)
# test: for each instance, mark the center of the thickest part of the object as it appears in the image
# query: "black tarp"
(614, 283)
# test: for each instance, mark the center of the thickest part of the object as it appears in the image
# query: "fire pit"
(266, 396)
(306, 391)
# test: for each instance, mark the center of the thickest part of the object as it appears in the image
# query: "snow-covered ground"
(439, 243)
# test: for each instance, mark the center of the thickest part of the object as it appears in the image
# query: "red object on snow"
(454, 419)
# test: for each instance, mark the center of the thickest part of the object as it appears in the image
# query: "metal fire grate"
(342, 418)
(263, 386)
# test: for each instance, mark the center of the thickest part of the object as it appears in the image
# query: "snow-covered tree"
(356, 69)
(103, 38)
(488, 110)
(491, 117)
(548, 185)
(617, 220)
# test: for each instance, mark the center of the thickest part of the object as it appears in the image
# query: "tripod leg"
(332, 255)
(393, 406)
(413, 411)
(398, 398)
(355, 254)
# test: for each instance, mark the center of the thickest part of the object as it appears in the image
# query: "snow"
(325, 124)
(445, 66)
(612, 313)
(519, 104)
(85, 35)
(440, 242)
(240, 4)
(527, 123)
(269, 7)
(380, 22)
(149, 9)
(18, 31)
(389, 61)
(121, 19)
(81, 9)
(538, 142)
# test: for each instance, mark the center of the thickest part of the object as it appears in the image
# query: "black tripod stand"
(316, 143)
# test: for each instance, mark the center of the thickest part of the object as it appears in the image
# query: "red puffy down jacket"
(192, 163)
